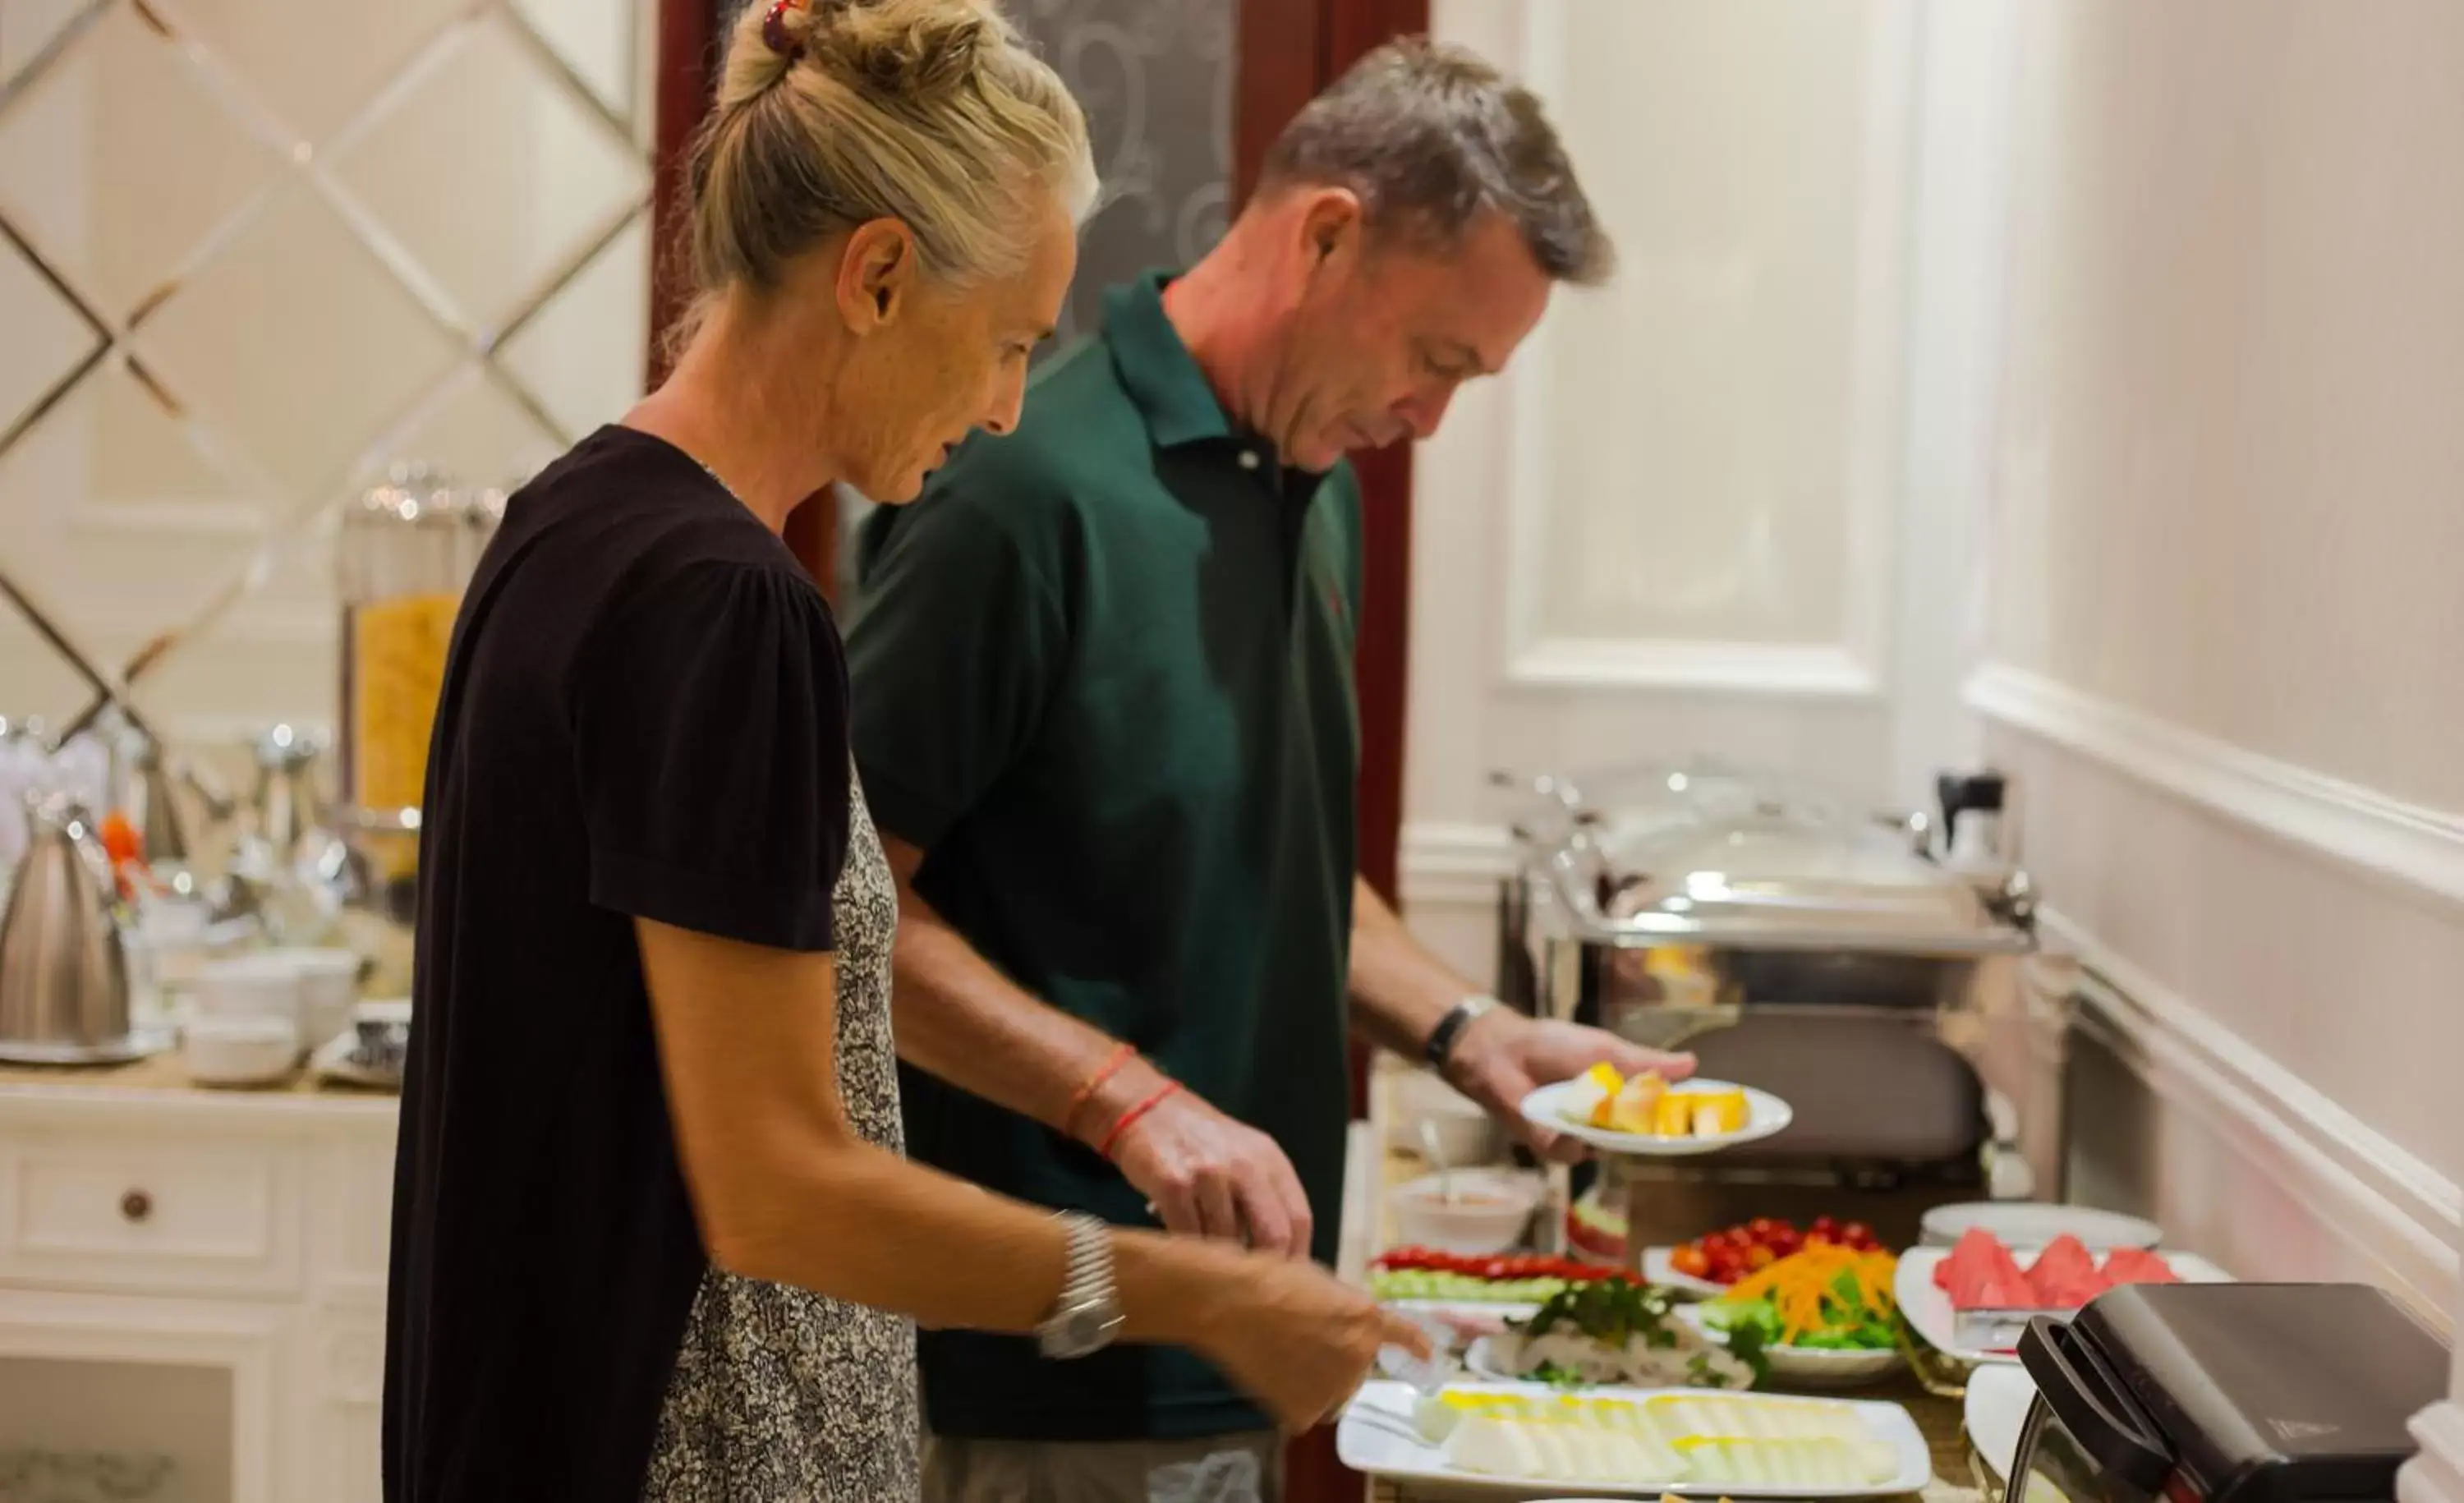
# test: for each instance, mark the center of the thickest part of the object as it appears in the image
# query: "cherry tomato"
(1691, 1261)
(1719, 1241)
(1857, 1234)
(1786, 1242)
(1824, 1227)
(1761, 1228)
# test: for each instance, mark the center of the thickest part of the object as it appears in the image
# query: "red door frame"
(687, 72)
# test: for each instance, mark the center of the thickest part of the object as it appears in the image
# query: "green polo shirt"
(1101, 675)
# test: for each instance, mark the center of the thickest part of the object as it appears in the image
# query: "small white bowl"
(1489, 1212)
(253, 985)
(329, 986)
(236, 1051)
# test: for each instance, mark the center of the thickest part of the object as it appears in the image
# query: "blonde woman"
(653, 1236)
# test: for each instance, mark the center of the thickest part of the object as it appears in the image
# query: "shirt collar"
(1156, 366)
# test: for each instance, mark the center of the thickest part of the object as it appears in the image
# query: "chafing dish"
(1797, 942)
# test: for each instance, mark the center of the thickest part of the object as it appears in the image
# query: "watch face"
(1088, 1328)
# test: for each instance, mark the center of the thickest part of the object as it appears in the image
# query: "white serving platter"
(1377, 1439)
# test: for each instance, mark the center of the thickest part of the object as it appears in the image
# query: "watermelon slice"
(2134, 1266)
(2064, 1275)
(1981, 1274)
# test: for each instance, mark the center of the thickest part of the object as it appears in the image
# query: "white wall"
(2226, 511)
(2169, 432)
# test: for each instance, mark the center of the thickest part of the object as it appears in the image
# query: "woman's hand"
(1291, 1336)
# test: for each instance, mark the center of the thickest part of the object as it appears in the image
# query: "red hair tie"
(774, 30)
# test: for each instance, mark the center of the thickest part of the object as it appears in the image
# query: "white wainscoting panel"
(1695, 553)
(2390, 1209)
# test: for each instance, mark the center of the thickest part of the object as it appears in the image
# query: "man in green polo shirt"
(1104, 714)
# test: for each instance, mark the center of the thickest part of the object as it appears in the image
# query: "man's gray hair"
(1431, 137)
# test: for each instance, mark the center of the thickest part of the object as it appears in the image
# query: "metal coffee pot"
(63, 969)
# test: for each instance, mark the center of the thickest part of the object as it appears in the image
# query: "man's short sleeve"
(954, 655)
(711, 738)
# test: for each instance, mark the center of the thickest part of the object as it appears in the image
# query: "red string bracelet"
(1111, 1067)
(1130, 1117)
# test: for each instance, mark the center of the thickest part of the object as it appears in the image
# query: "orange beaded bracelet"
(1130, 1117)
(1111, 1067)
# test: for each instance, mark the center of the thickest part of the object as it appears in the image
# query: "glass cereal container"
(408, 547)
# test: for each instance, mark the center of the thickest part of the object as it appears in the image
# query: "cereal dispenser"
(407, 548)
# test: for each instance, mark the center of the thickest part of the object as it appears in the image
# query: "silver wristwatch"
(1088, 1315)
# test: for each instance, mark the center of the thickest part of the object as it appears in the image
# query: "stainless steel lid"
(1714, 855)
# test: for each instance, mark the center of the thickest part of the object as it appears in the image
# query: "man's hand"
(1504, 1056)
(1208, 1175)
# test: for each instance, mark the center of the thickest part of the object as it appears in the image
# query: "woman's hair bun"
(897, 49)
(833, 113)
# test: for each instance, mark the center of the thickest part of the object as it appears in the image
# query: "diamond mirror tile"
(311, 67)
(107, 112)
(602, 44)
(33, 26)
(577, 358)
(557, 178)
(48, 338)
(256, 338)
(251, 252)
(477, 426)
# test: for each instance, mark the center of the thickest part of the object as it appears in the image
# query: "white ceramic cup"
(237, 1049)
(329, 986)
(253, 985)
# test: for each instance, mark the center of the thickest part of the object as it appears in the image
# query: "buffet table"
(1937, 1416)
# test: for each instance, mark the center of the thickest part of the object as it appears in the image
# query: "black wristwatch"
(1450, 1029)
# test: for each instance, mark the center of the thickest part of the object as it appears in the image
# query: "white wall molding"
(2354, 825)
(1453, 866)
(1755, 668)
(2376, 1195)
(2435, 1475)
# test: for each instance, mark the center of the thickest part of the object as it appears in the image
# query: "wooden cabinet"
(192, 1292)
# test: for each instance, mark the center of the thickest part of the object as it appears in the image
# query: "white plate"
(1998, 1398)
(1765, 1114)
(1377, 1439)
(1659, 1266)
(2026, 1224)
(1808, 1366)
(1471, 1319)
(1927, 1308)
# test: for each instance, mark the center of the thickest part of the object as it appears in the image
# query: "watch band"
(1088, 1315)
(1441, 1040)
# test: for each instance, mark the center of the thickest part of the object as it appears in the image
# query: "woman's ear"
(876, 272)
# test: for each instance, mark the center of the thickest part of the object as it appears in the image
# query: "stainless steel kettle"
(63, 969)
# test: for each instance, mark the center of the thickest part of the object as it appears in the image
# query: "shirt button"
(1249, 459)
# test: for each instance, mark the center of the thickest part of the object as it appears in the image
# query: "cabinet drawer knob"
(136, 1206)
